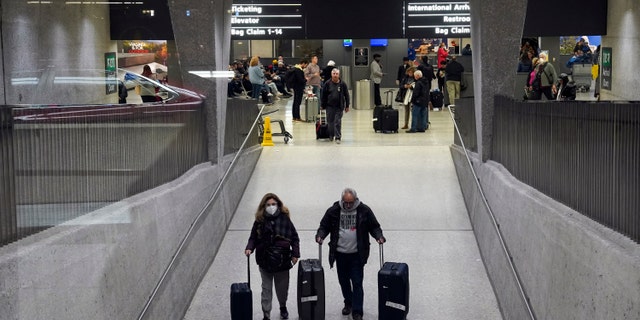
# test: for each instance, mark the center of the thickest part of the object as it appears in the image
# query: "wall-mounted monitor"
(347, 43)
(378, 42)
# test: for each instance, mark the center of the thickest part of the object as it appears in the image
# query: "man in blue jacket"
(349, 222)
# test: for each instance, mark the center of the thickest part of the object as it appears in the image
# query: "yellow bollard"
(267, 139)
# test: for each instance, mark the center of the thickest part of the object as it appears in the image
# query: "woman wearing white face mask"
(277, 245)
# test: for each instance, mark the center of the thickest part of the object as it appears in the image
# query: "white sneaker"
(270, 94)
(436, 109)
(338, 141)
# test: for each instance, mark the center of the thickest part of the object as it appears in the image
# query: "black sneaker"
(284, 314)
(357, 316)
(346, 310)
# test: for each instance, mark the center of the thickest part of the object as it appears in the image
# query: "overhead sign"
(250, 20)
(437, 19)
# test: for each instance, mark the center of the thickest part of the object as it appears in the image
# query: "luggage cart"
(283, 132)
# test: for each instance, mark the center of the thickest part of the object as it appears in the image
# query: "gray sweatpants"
(281, 282)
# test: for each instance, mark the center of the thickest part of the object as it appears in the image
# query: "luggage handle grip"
(248, 272)
(381, 255)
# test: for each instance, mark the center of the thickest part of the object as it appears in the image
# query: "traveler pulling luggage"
(311, 301)
(385, 118)
(322, 128)
(393, 289)
(241, 298)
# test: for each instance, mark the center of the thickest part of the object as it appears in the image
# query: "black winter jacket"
(366, 223)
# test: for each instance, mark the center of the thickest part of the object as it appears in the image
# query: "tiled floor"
(407, 179)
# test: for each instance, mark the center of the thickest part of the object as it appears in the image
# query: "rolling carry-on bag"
(311, 301)
(437, 98)
(393, 289)
(241, 299)
(322, 128)
(310, 109)
(385, 118)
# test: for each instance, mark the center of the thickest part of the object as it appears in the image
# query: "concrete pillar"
(202, 32)
(496, 31)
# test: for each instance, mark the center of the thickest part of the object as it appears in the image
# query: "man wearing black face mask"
(349, 222)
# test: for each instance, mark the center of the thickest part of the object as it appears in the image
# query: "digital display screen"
(378, 42)
(267, 20)
(347, 43)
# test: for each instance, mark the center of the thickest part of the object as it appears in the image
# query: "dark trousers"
(377, 99)
(334, 122)
(297, 100)
(351, 276)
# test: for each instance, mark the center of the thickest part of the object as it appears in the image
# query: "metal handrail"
(195, 222)
(496, 226)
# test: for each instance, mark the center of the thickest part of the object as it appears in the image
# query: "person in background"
(275, 240)
(326, 72)
(147, 86)
(407, 83)
(441, 76)
(411, 52)
(335, 99)
(349, 222)
(525, 64)
(376, 76)
(466, 51)
(548, 77)
(312, 74)
(256, 76)
(443, 53)
(122, 92)
(297, 82)
(419, 103)
(402, 73)
(454, 71)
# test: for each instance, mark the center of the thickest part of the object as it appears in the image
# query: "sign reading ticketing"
(437, 19)
(267, 20)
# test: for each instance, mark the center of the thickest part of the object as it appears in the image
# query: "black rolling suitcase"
(385, 118)
(322, 128)
(437, 98)
(393, 289)
(241, 299)
(311, 302)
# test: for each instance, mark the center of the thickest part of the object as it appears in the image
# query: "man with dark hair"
(453, 72)
(297, 82)
(376, 77)
(349, 222)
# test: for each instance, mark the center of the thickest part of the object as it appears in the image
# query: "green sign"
(607, 66)
(110, 73)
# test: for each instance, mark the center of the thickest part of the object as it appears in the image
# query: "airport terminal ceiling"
(359, 19)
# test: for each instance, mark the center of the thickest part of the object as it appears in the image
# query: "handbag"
(277, 258)
(400, 95)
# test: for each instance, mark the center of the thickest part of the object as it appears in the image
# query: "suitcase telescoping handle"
(389, 97)
(248, 272)
(381, 255)
(320, 253)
